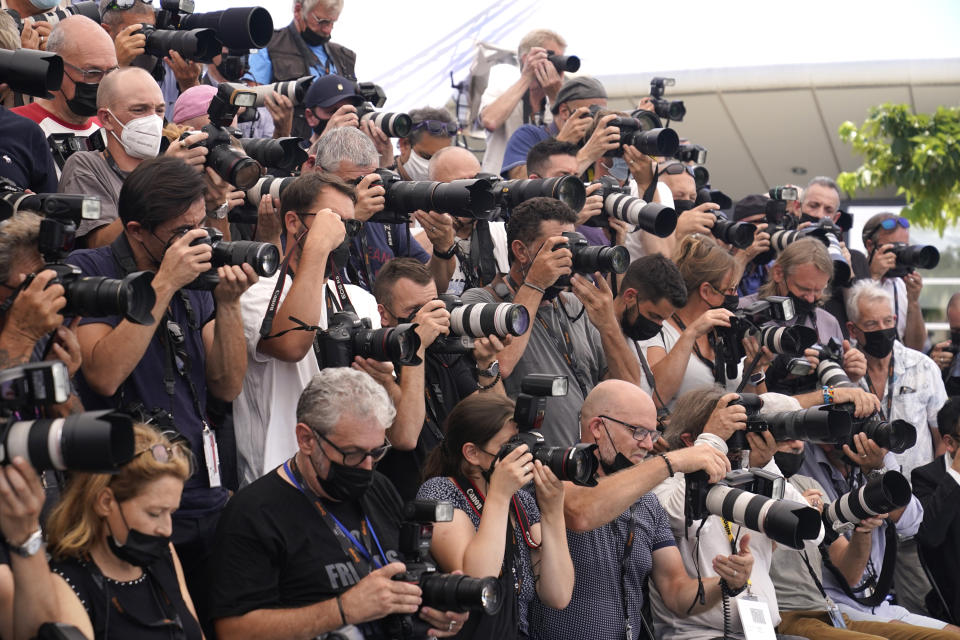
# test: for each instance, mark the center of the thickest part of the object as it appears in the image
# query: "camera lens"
(267, 185)
(463, 198)
(394, 125)
(449, 592)
(882, 494)
(787, 340)
(484, 319)
(236, 28)
(576, 464)
(394, 344)
(653, 217)
(283, 153)
(200, 45)
(35, 73)
(917, 256)
(819, 425)
(98, 296)
(262, 256)
(897, 436)
(655, 142)
(234, 166)
(604, 259)
(831, 374)
(567, 189)
(785, 521)
(738, 234)
(96, 441)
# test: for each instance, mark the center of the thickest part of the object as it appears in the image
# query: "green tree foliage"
(917, 153)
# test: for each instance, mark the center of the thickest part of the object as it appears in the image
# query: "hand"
(382, 372)
(700, 457)
(345, 116)
(433, 320)
(380, 140)
(941, 356)
(726, 419)
(710, 319)
(864, 402)
(762, 447)
(814, 498)
(736, 569)
(761, 242)
(21, 499)
(914, 283)
(869, 454)
(269, 223)
(326, 234)
(43, 30)
(882, 261)
(281, 110)
(854, 362)
(605, 138)
(220, 192)
(443, 624)
(813, 356)
(36, 311)
(530, 62)
(187, 72)
(618, 231)
(511, 473)
(548, 265)
(182, 263)
(597, 299)
(378, 595)
(130, 43)
(30, 38)
(751, 346)
(66, 346)
(576, 126)
(439, 229)
(234, 280)
(195, 157)
(485, 350)
(549, 79)
(697, 220)
(370, 197)
(549, 491)
(593, 205)
(867, 526)
(642, 167)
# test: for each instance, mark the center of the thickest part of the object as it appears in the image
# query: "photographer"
(617, 531)
(110, 541)
(879, 234)
(195, 343)
(433, 130)
(88, 56)
(946, 354)
(752, 210)
(405, 292)
(498, 529)
(283, 567)
(512, 99)
(281, 364)
(576, 335)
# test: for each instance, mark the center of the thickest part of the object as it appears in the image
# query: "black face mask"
(806, 217)
(344, 483)
(800, 305)
(84, 100)
(642, 328)
(320, 126)
(313, 38)
(620, 462)
(879, 343)
(788, 463)
(232, 68)
(683, 205)
(730, 302)
(140, 549)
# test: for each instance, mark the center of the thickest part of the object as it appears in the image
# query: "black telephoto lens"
(264, 257)
(282, 153)
(462, 198)
(603, 259)
(97, 297)
(576, 464)
(236, 28)
(738, 234)
(656, 142)
(234, 166)
(820, 425)
(449, 592)
(567, 189)
(200, 45)
(392, 344)
(34, 73)
(897, 436)
(394, 125)
(570, 64)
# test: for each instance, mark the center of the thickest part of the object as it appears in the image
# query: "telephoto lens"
(236, 28)
(390, 344)
(455, 592)
(233, 165)
(738, 234)
(35, 73)
(474, 198)
(132, 297)
(280, 153)
(881, 494)
(780, 239)
(268, 185)
(831, 374)
(653, 217)
(295, 90)
(896, 435)
(910, 257)
(96, 441)
(820, 425)
(567, 189)
(787, 340)
(264, 257)
(483, 319)
(589, 259)
(394, 125)
(199, 45)
(656, 142)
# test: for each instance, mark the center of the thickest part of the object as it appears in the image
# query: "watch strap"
(30, 547)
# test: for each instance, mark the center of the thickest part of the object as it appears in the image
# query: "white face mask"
(141, 136)
(417, 167)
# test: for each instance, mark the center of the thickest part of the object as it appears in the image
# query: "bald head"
(128, 84)
(621, 400)
(953, 312)
(453, 163)
(83, 43)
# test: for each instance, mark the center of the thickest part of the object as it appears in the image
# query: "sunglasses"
(436, 127)
(123, 5)
(676, 169)
(890, 224)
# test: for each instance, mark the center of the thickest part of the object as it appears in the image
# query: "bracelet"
(343, 616)
(446, 255)
(758, 378)
(669, 466)
(726, 590)
(828, 395)
(534, 287)
(481, 387)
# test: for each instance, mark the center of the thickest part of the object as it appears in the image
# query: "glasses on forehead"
(437, 127)
(164, 453)
(356, 457)
(892, 223)
(319, 23)
(123, 5)
(91, 76)
(639, 433)
(676, 169)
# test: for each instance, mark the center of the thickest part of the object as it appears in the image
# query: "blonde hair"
(74, 526)
(700, 259)
(796, 254)
(538, 38)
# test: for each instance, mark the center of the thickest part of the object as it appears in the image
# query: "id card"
(211, 456)
(836, 618)
(755, 619)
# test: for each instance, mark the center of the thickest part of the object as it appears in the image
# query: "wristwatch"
(29, 548)
(220, 212)
(490, 372)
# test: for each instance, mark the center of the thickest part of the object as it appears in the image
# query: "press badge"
(211, 456)
(835, 616)
(755, 619)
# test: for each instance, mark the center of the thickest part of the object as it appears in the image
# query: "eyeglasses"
(165, 453)
(91, 76)
(356, 458)
(123, 5)
(729, 291)
(675, 169)
(639, 433)
(437, 127)
(890, 224)
(318, 23)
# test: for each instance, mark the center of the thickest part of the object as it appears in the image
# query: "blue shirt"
(261, 67)
(379, 251)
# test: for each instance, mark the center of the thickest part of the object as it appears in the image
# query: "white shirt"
(502, 77)
(498, 233)
(948, 460)
(264, 414)
(634, 241)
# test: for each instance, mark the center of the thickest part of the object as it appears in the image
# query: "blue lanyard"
(342, 533)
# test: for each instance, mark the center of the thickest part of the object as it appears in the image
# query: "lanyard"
(475, 497)
(566, 346)
(348, 542)
(113, 166)
(696, 347)
(662, 411)
(624, 562)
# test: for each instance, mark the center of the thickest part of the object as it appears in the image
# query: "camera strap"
(831, 606)
(475, 497)
(367, 275)
(113, 166)
(662, 411)
(716, 369)
(881, 584)
(361, 553)
(624, 563)
(564, 344)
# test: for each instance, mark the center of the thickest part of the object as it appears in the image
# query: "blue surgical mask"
(620, 170)
(45, 5)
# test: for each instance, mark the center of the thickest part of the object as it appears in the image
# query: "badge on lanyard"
(211, 456)
(755, 619)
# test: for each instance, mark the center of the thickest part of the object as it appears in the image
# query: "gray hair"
(337, 391)
(539, 38)
(113, 17)
(345, 143)
(18, 233)
(823, 181)
(865, 290)
(306, 6)
(427, 113)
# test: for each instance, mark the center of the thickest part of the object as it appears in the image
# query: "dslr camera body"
(588, 259)
(264, 257)
(348, 336)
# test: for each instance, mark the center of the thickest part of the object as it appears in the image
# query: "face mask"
(642, 328)
(232, 68)
(45, 5)
(806, 217)
(140, 549)
(620, 170)
(343, 483)
(417, 167)
(620, 461)
(314, 39)
(320, 126)
(801, 306)
(879, 343)
(141, 136)
(84, 100)
(788, 463)
(730, 302)
(683, 205)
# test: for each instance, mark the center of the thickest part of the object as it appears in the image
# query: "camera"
(395, 125)
(588, 259)
(236, 28)
(472, 198)
(816, 424)
(531, 402)
(911, 257)
(567, 189)
(57, 205)
(669, 109)
(882, 494)
(655, 218)
(34, 73)
(280, 153)
(577, 464)
(829, 370)
(64, 145)
(644, 131)
(442, 591)
(89, 8)
(695, 156)
(737, 234)
(264, 257)
(97, 441)
(470, 321)
(570, 64)
(295, 90)
(752, 498)
(200, 45)
(824, 230)
(348, 336)
(895, 435)
(267, 185)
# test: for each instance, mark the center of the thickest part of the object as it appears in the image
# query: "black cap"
(752, 205)
(328, 90)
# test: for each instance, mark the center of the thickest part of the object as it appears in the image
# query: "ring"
(863, 455)
(452, 625)
(434, 228)
(734, 573)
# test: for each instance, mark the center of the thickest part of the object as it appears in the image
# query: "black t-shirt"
(448, 380)
(24, 155)
(275, 551)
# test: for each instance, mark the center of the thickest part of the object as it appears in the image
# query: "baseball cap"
(580, 88)
(519, 145)
(328, 90)
(751, 205)
(193, 102)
